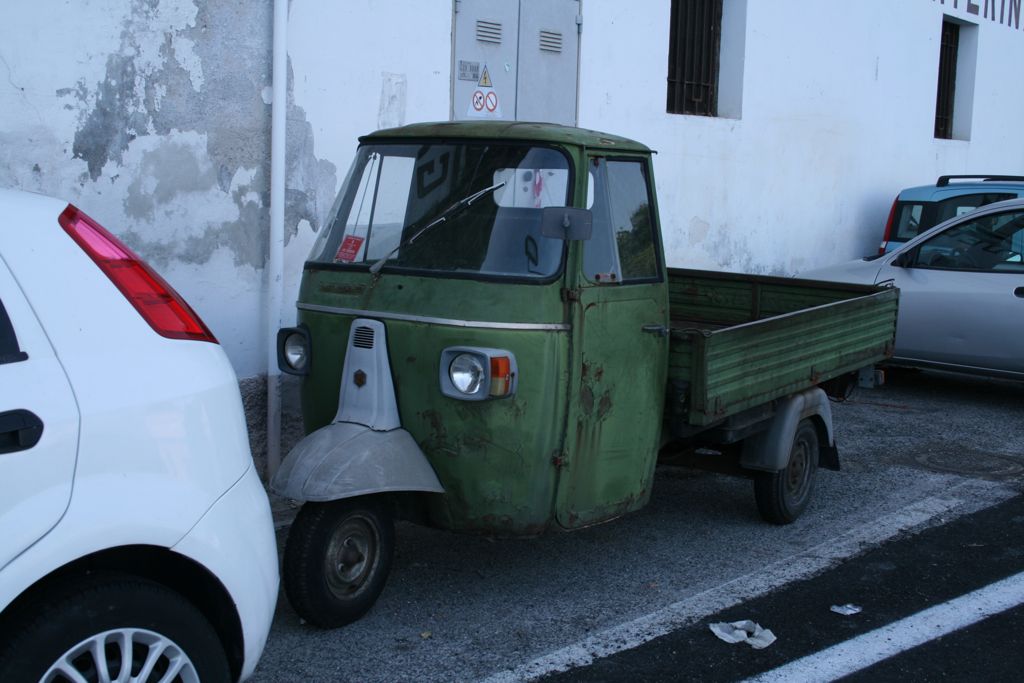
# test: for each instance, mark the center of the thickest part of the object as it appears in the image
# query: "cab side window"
(990, 243)
(622, 248)
(9, 350)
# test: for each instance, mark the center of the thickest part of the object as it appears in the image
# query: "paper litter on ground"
(744, 631)
(846, 610)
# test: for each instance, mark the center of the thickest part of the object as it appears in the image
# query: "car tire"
(82, 628)
(337, 559)
(783, 496)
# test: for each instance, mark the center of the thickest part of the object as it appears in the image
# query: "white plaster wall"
(359, 66)
(110, 105)
(838, 116)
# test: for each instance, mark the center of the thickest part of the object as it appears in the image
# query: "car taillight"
(888, 227)
(155, 300)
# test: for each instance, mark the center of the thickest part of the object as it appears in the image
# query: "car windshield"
(913, 218)
(394, 191)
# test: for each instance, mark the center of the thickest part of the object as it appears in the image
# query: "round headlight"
(466, 372)
(295, 352)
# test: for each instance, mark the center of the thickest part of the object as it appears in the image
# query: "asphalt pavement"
(918, 454)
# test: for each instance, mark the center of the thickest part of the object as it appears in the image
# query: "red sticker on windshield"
(349, 248)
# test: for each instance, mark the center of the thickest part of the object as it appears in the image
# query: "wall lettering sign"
(1005, 12)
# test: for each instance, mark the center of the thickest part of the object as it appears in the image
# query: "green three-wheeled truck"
(490, 342)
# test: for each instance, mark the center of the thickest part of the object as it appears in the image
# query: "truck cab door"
(38, 426)
(620, 336)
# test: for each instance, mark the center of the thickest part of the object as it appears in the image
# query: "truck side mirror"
(566, 223)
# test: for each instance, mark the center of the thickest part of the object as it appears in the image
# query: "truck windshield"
(394, 190)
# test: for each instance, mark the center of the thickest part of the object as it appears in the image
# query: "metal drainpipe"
(275, 261)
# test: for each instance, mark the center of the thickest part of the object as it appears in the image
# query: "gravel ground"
(463, 608)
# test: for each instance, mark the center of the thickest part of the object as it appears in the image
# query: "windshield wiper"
(452, 211)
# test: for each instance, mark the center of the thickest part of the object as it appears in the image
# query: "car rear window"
(913, 218)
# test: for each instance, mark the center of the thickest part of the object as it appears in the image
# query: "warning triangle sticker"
(485, 79)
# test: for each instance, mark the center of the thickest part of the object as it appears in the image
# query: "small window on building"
(695, 35)
(954, 98)
(947, 80)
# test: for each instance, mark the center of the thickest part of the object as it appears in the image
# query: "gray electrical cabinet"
(516, 60)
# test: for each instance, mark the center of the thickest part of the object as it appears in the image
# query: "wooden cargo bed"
(739, 341)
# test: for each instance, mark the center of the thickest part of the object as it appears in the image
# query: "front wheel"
(113, 628)
(782, 496)
(337, 559)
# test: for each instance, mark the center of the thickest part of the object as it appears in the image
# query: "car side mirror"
(566, 223)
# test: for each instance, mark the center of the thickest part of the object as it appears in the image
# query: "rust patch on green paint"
(587, 399)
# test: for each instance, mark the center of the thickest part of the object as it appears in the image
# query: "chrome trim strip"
(451, 322)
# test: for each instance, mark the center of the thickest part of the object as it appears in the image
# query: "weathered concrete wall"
(154, 117)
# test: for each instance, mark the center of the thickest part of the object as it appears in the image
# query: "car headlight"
(467, 373)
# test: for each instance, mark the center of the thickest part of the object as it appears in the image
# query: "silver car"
(961, 292)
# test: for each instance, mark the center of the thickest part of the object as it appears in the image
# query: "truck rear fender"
(769, 450)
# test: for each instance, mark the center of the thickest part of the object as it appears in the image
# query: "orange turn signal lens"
(501, 376)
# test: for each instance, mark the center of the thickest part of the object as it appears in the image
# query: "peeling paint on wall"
(200, 68)
(159, 126)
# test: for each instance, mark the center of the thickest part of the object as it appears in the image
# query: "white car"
(136, 541)
(961, 292)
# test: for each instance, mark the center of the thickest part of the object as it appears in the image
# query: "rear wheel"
(782, 496)
(337, 559)
(113, 628)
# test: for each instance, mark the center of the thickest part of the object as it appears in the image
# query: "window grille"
(947, 80)
(694, 44)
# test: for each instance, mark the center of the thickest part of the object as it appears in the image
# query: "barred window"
(946, 95)
(693, 57)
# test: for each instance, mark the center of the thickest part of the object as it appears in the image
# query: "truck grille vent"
(551, 41)
(488, 31)
(363, 338)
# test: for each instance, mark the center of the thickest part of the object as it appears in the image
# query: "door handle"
(655, 328)
(19, 430)
(1019, 292)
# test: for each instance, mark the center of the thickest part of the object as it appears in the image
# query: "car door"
(620, 329)
(38, 426)
(962, 294)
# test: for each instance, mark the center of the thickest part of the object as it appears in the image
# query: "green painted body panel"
(616, 405)
(741, 340)
(494, 458)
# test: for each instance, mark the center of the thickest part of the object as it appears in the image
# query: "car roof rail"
(944, 179)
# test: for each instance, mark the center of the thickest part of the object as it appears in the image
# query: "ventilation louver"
(488, 31)
(363, 338)
(551, 41)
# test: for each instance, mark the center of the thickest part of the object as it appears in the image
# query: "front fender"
(345, 459)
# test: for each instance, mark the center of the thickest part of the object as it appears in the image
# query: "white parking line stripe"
(873, 647)
(800, 566)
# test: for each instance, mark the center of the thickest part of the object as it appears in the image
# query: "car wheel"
(337, 559)
(782, 496)
(113, 628)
